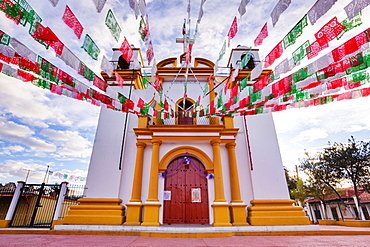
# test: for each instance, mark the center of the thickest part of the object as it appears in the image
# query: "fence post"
(60, 201)
(13, 205)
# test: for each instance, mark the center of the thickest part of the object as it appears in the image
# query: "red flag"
(70, 19)
(329, 31)
(146, 29)
(119, 79)
(315, 48)
(126, 50)
(140, 103)
(66, 78)
(166, 105)
(44, 33)
(233, 29)
(150, 53)
(27, 76)
(157, 83)
(234, 91)
(336, 83)
(48, 36)
(188, 53)
(245, 101)
(212, 108)
(274, 54)
(261, 36)
(100, 83)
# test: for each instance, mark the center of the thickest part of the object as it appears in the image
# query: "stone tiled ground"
(339, 236)
(31, 240)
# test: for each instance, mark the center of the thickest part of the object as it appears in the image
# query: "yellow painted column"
(151, 207)
(233, 169)
(220, 207)
(219, 183)
(138, 174)
(133, 216)
(238, 213)
(153, 182)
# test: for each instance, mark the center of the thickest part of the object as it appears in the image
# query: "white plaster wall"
(160, 197)
(103, 177)
(167, 146)
(129, 161)
(211, 198)
(242, 157)
(268, 178)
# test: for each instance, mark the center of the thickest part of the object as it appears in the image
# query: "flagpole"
(46, 173)
(126, 120)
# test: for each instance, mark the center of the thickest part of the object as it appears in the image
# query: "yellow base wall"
(238, 215)
(221, 215)
(350, 223)
(151, 215)
(96, 211)
(276, 212)
(4, 223)
(133, 216)
(327, 222)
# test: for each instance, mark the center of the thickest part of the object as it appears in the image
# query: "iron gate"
(36, 205)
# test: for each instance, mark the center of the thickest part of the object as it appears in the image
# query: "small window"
(250, 64)
(122, 63)
(184, 112)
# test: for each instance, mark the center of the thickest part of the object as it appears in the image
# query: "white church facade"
(187, 168)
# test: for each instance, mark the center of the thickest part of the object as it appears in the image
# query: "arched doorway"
(184, 112)
(186, 192)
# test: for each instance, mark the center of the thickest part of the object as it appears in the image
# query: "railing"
(74, 192)
(188, 121)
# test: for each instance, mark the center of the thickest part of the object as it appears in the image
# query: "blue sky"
(38, 128)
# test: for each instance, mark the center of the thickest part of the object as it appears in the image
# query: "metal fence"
(74, 192)
(36, 205)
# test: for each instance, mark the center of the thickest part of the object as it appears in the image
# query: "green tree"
(320, 173)
(351, 162)
(339, 162)
(317, 189)
(300, 193)
(291, 182)
(297, 188)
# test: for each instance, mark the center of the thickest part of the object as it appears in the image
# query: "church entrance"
(186, 192)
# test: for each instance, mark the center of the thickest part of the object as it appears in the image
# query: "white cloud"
(16, 133)
(333, 117)
(38, 107)
(70, 143)
(13, 168)
(10, 150)
(311, 135)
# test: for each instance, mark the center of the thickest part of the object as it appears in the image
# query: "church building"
(183, 163)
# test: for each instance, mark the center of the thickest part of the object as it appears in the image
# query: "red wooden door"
(188, 187)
